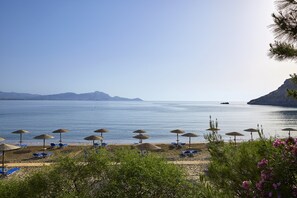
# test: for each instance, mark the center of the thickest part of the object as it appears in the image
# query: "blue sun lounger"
(61, 145)
(53, 145)
(42, 154)
(189, 153)
(9, 171)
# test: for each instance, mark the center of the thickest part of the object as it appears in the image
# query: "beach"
(23, 158)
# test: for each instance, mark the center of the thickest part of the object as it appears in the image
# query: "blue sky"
(156, 50)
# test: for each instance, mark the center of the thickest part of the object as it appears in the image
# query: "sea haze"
(122, 118)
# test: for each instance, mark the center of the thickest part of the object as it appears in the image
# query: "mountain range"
(94, 96)
(278, 97)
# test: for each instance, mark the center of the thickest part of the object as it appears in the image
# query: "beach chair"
(96, 144)
(104, 144)
(189, 153)
(47, 154)
(22, 145)
(61, 145)
(53, 145)
(42, 154)
(9, 171)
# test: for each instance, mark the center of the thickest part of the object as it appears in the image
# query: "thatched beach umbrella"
(43, 137)
(61, 131)
(1, 139)
(21, 132)
(190, 135)
(177, 131)
(93, 138)
(6, 147)
(289, 129)
(251, 130)
(101, 131)
(139, 131)
(141, 137)
(234, 134)
(148, 147)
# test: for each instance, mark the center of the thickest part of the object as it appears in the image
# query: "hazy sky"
(188, 50)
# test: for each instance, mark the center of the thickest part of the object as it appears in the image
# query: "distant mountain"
(99, 96)
(278, 97)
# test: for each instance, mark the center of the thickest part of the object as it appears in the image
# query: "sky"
(156, 50)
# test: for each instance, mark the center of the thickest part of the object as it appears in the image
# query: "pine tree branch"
(282, 51)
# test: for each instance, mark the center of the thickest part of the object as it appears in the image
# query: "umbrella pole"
(3, 161)
(21, 135)
(101, 139)
(235, 139)
(189, 142)
(44, 144)
(289, 134)
(177, 138)
(60, 137)
(251, 136)
(94, 143)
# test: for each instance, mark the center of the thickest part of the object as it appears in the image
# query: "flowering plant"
(277, 172)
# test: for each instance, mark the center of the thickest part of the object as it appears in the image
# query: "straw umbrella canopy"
(139, 131)
(148, 147)
(61, 131)
(177, 131)
(21, 132)
(141, 137)
(1, 139)
(93, 138)
(190, 135)
(251, 130)
(289, 129)
(43, 137)
(234, 134)
(101, 131)
(6, 147)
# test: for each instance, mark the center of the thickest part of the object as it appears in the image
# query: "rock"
(278, 97)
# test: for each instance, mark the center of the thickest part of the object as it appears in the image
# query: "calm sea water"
(122, 118)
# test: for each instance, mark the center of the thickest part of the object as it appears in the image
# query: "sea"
(157, 118)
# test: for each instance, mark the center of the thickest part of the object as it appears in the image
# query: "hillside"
(95, 96)
(278, 97)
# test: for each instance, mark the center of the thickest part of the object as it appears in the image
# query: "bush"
(264, 168)
(122, 174)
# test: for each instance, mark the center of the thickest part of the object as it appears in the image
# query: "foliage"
(277, 172)
(263, 168)
(230, 165)
(285, 30)
(122, 174)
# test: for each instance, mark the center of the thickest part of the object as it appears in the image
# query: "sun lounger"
(42, 154)
(9, 171)
(188, 153)
(61, 145)
(177, 145)
(53, 145)
(96, 144)
(22, 145)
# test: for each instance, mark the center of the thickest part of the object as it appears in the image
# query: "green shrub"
(122, 174)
